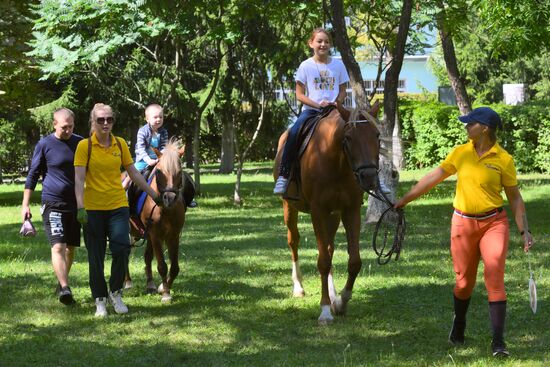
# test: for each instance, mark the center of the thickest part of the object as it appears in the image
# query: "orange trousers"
(472, 239)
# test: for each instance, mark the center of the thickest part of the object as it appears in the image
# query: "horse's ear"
(181, 151)
(344, 112)
(375, 108)
(157, 152)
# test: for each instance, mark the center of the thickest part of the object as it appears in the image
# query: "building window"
(369, 85)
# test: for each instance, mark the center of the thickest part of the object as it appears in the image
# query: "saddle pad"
(307, 129)
(142, 196)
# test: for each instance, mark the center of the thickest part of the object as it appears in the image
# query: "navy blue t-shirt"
(53, 158)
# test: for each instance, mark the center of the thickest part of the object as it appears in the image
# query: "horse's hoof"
(298, 293)
(325, 322)
(149, 290)
(338, 307)
(326, 317)
(128, 284)
(166, 298)
(340, 304)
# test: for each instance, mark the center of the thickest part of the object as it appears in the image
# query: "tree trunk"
(451, 64)
(388, 172)
(188, 150)
(198, 118)
(227, 163)
(342, 43)
(196, 153)
(397, 145)
(237, 200)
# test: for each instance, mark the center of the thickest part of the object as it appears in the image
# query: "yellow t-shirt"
(103, 189)
(480, 179)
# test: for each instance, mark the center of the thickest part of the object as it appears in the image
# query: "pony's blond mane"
(170, 156)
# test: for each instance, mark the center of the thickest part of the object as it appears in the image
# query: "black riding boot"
(189, 191)
(497, 313)
(456, 336)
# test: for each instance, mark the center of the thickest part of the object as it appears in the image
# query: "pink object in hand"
(27, 229)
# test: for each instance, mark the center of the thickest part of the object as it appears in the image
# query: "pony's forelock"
(170, 156)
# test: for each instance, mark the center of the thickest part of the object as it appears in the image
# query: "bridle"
(357, 170)
(167, 189)
(149, 218)
(384, 255)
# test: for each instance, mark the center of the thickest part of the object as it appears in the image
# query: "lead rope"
(399, 235)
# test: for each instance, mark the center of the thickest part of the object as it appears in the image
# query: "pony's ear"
(344, 112)
(375, 108)
(157, 152)
(181, 151)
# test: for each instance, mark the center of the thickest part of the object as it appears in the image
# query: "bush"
(14, 152)
(431, 130)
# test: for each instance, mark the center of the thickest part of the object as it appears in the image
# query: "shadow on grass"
(385, 325)
(232, 300)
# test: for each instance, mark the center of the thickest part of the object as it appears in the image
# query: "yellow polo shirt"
(103, 189)
(480, 179)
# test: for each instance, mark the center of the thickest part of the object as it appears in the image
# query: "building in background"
(415, 77)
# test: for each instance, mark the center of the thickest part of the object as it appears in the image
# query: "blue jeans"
(140, 165)
(290, 151)
(103, 224)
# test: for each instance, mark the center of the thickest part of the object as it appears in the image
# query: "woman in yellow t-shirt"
(479, 225)
(103, 207)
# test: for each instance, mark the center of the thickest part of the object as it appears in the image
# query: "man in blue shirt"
(53, 158)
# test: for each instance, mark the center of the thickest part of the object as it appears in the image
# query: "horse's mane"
(360, 115)
(170, 156)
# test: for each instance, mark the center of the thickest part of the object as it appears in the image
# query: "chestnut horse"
(339, 164)
(164, 224)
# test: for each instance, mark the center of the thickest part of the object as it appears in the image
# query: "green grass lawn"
(232, 302)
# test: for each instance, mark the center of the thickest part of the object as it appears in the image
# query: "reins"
(398, 235)
(395, 215)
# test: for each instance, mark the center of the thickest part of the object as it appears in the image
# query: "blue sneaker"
(280, 185)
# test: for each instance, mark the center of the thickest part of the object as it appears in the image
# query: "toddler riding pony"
(163, 225)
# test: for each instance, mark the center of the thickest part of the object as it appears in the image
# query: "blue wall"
(415, 72)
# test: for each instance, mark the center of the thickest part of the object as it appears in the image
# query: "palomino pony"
(339, 164)
(164, 224)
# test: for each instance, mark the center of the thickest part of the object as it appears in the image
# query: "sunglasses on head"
(103, 120)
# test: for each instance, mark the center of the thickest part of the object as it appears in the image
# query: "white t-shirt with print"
(322, 81)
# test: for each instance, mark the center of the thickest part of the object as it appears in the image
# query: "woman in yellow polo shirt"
(479, 225)
(103, 207)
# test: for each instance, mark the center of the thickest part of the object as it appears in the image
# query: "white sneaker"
(385, 189)
(280, 185)
(101, 307)
(115, 298)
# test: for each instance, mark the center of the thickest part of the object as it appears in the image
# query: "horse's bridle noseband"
(167, 189)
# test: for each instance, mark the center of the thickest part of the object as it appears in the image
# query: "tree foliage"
(516, 29)
(130, 53)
